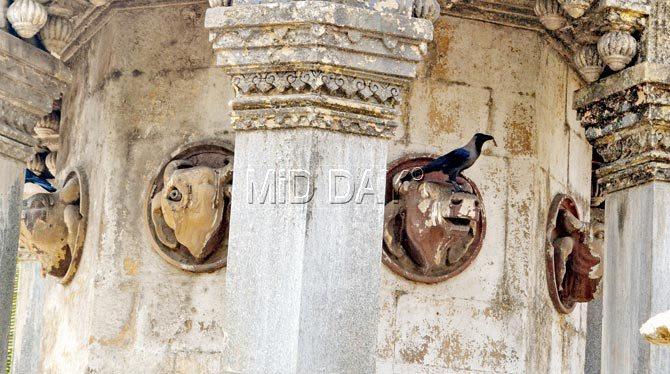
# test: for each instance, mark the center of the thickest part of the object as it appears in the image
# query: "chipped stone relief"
(431, 231)
(53, 227)
(574, 255)
(189, 207)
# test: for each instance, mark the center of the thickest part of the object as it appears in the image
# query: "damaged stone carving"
(53, 227)
(574, 251)
(189, 207)
(431, 232)
(428, 9)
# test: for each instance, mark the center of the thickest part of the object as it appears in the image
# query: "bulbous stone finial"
(50, 162)
(550, 13)
(36, 164)
(27, 17)
(617, 49)
(589, 63)
(55, 34)
(575, 8)
(48, 125)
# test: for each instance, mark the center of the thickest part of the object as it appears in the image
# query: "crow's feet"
(457, 187)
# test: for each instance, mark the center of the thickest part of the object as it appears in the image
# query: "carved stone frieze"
(628, 123)
(574, 252)
(352, 72)
(313, 81)
(188, 207)
(431, 232)
(53, 226)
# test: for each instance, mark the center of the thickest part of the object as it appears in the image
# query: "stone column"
(30, 80)
(627, 118)
(319, 91)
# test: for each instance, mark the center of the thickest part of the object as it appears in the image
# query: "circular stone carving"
(77, 176)
(53, 226)
(574, 251)
(431, 232)
(561, 204)
(188, 206)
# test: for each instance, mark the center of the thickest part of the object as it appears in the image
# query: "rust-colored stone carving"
(53, 226)
(574, 251)
(188, 207)
(431, 232)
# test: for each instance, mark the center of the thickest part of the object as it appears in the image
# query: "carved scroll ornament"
(188, 207)
(53, 226)
(431, 232)
(574, 251)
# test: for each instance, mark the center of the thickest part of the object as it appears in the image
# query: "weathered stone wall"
(146, 85)
(496, 316)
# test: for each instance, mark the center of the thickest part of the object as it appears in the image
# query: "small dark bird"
(456, 161)
(36, 179)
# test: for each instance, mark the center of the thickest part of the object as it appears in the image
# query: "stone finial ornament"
(575, 8)
(36, 163)
(617, 49)
(49, 125)
(218, 3)
(427, 9)
(588, 62)
(550, 13)
(431, 232)
(53, 226)
(574, 251)
(27, 17)
(55, 34)
(189, 206)
(50, 162)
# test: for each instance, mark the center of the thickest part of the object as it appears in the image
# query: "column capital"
(317, 64)
(629, 127)
(626, 114)
(30, 81)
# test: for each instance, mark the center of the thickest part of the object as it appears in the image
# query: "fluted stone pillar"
(30, 80)
(627, 118)
(319, 90)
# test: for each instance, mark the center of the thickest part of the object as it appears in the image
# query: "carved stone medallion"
(431, 232)
(53, 226)
(188, 206)
(573, 252)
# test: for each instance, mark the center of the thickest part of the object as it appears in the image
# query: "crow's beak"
(494, 142)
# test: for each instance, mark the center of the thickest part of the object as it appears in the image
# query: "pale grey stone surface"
(29, 318)
(303, 279)
(594, 327)
(11, 188)
(637, 281)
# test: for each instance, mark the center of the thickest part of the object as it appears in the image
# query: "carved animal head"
(189, 209)
(439, 223)
(50, 225)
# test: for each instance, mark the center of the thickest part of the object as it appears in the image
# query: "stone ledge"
(318, 12)
(30, 81)
(641, 73)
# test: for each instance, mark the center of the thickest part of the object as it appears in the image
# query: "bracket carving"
(596, 34)
(431, 232)
(574, 251)
(53, 226)
(188, 207)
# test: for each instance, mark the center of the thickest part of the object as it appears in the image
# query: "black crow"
(36, 179)
(454, 162)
